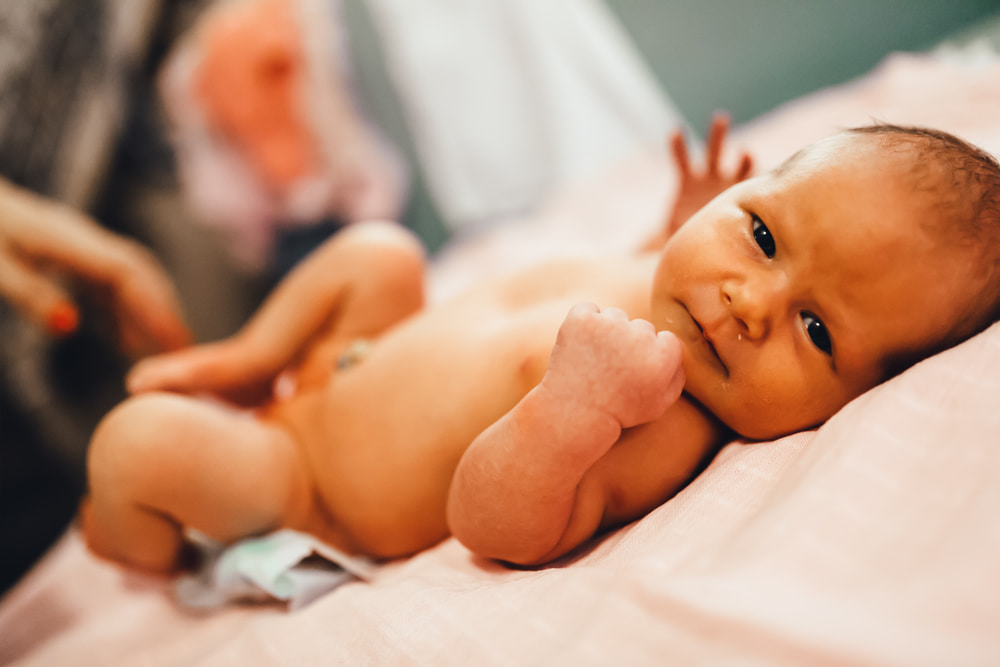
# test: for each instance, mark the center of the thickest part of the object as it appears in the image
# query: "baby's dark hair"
(960, 175)
(965, 183)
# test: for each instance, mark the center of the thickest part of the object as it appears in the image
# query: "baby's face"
(795, 292)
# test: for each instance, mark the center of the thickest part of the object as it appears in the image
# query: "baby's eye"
(762, 235)
(818, 334)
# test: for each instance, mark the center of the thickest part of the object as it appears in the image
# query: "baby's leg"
(363, 281)
(160, 462)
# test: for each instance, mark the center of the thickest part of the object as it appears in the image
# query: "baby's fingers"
(745, 168)
(191, 370)
(613, 313)
(716, 139)
(678, 148)
(643, 327)
(213, 368)
(156, 374)
(583, 309)
(670, 345)
(672, 354)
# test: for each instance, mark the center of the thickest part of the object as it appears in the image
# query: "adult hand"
(42, 242)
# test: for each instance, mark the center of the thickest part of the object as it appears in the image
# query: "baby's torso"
(382, 435)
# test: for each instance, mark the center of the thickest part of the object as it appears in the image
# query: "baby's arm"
(697, 188)
(364, 280)
(522, 492)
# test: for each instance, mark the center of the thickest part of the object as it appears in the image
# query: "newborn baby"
(524, 431)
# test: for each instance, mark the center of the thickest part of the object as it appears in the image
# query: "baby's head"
(796, 291)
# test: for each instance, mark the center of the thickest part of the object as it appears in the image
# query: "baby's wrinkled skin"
(500, 419)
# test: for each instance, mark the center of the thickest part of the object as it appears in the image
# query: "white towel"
(276, 566)
(509, 99)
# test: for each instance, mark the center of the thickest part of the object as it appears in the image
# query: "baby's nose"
(755, 304)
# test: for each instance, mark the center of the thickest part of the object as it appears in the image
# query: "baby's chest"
(430, 385)
(499, 348)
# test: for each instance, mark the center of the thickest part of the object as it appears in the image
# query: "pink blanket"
(872, 540)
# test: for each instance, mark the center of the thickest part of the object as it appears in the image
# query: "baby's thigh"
(203, 465)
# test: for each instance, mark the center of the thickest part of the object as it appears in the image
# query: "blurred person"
(43, 242)
(79, 300)
(289, 113)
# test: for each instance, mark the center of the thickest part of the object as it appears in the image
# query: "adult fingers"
(36, 295)
(144, 301)
(142, 297)
(38, 232)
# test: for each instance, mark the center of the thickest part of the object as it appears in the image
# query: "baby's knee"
(391, 246)
(393, 262)
(384, 234)
(129, 440)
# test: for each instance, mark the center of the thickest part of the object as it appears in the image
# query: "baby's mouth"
(708, 341)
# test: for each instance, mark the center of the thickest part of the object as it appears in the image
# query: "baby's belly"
(382, 438)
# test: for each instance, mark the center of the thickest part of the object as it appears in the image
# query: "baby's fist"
(608, 363)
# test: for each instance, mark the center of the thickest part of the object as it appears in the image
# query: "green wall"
(747, 57)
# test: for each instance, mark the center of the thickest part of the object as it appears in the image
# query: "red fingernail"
(63, 319)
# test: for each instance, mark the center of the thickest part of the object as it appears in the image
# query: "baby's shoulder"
(608, 281)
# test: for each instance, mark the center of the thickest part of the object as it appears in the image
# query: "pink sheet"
(872, 540)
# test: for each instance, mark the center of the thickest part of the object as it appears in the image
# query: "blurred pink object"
(265, 127)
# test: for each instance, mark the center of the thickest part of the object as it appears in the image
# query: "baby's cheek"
(765, 413)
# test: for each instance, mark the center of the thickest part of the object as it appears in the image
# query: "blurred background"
(448, 115)
(748, 57)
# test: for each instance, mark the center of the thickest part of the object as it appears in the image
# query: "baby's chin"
(764, 432)
(757, 424)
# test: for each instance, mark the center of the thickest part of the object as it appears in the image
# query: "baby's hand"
(618, 367)
(218, 368)
(697, 188)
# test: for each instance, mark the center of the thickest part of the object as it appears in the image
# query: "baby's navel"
(354, 354)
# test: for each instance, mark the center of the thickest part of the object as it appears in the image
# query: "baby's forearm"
(520, 492)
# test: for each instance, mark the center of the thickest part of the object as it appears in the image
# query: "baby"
(524, 431)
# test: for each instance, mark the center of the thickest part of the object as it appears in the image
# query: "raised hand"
(699, 186)
(605, 362)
